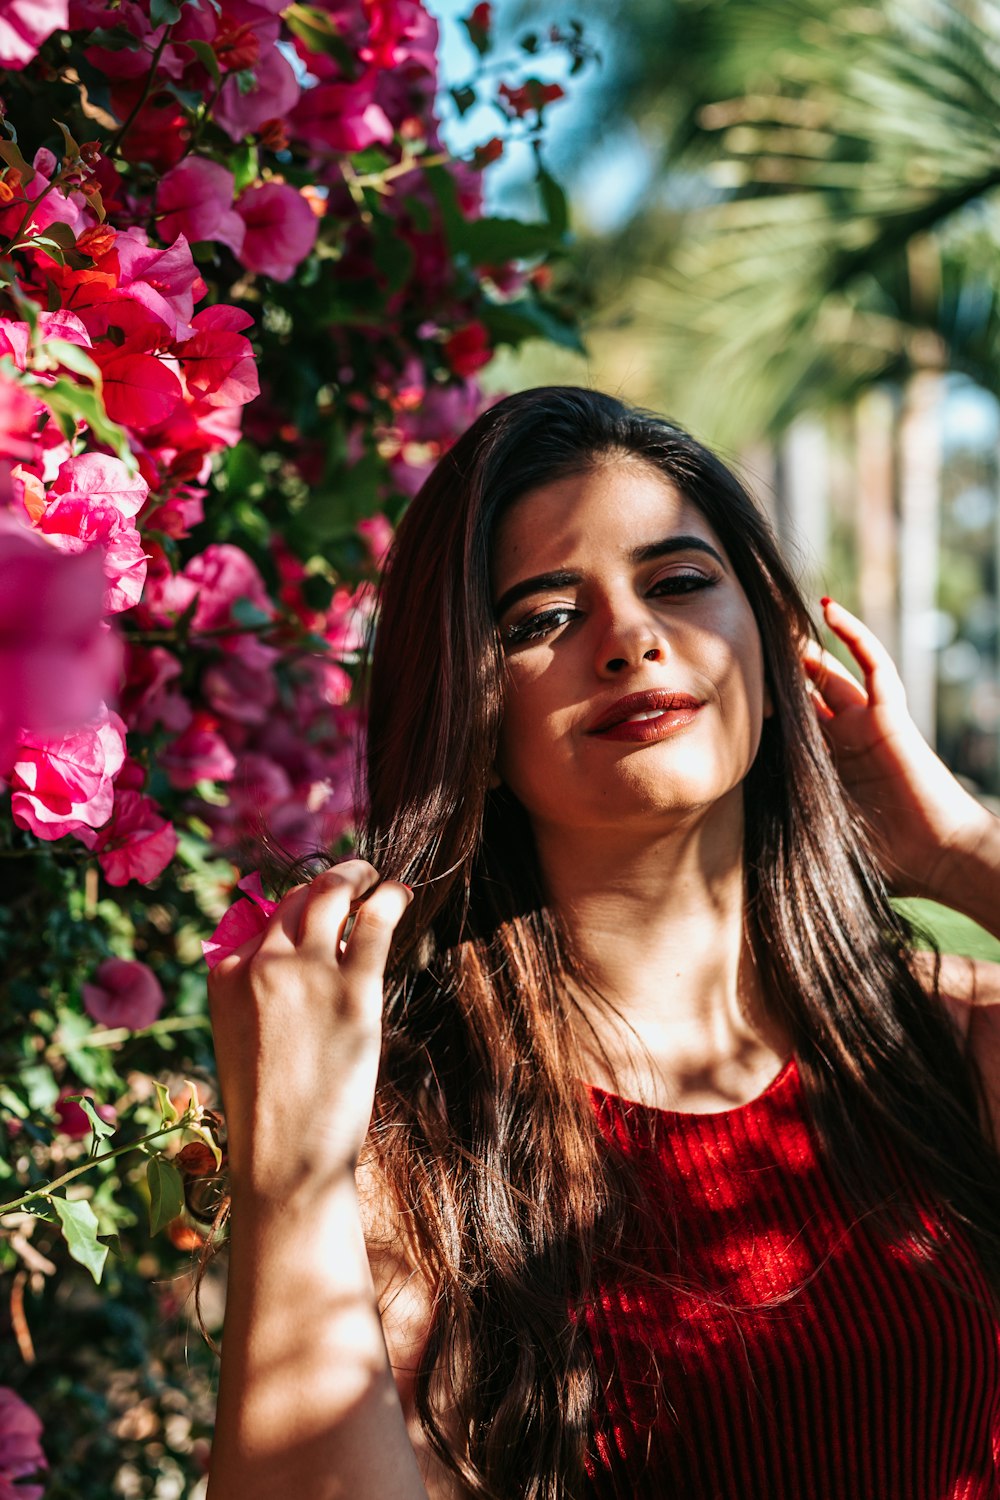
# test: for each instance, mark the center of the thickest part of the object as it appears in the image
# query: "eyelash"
(540, 624)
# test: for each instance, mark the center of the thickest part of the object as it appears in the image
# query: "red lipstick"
(643, 717)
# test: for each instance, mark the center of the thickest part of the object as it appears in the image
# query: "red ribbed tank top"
(873, 1382)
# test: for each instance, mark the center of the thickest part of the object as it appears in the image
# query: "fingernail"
(826, 600)
(406, 887)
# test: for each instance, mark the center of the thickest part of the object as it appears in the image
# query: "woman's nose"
(628, 641)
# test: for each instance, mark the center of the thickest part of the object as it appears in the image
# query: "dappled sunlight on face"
(610, 585)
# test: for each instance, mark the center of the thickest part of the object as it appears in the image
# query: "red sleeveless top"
(871, 1382)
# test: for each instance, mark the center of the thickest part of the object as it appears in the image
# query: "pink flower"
(219, 364)
(195, 199)
(57, 659)
(137, 844)
(530, 95)
(242, 922)
(215, 580)
(281, 229)
(140, 391)
(18, 413)
(199, 754)
(468, 349)
(348, 620)
(124, 992)
(163, 281)
(377, 532)
(273, 96)
(237, 689)
(24, 26)
(20, 1450)
(91, 505)
(342, 117)
(147, 698)
(97, 476)
(63, 784)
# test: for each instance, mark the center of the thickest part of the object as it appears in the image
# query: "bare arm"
(308, 1408)
(969, 878)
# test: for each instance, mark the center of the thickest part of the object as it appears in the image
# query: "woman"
(680, 1176)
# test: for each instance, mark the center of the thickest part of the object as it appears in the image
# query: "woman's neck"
(656, 922)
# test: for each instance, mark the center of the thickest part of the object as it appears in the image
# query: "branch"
(94, 1161)
(119, 135)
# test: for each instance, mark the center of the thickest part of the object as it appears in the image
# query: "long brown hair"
(482, 1133)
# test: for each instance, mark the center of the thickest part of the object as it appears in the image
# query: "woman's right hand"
(296, 1015)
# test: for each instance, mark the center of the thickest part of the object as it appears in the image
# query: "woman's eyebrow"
(563, 578)
(682, 543)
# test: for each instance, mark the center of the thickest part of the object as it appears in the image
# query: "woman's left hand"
(922, 818)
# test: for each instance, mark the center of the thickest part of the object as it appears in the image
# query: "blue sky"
(615, 174)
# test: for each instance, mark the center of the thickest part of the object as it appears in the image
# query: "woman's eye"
(536, 626)
(682, 583)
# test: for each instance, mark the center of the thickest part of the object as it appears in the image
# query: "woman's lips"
(661, 723)
(646, 716)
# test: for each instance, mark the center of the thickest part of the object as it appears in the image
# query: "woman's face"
(635, 675)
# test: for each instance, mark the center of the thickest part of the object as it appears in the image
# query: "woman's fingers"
(837, 688)
(328, 903)
(312, 919)
(367, 949)
(882, 681)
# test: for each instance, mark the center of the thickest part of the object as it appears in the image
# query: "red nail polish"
(826, 600)
(406, 887)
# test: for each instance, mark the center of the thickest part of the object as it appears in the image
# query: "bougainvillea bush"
(245, 291)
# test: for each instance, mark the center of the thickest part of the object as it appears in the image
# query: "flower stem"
(110, 1035)
(94, 1161)
(116, 140)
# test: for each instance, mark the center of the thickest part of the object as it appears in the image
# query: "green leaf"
(248, 614)
(166, 1192)
(394, 258)
(203, 52)
(45, 242)
(487, 241)
(513, 322)
(40, 1087)
(12, 156)
(244, 163)
(102, 1130)
(464, 97)
(79, 1227)
(70, 403)
(491, 241)
(168, 1114)
(163, 13)
(317, 29)
(74, 358)
(553, 201)
(72, 149)
(115, 39)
